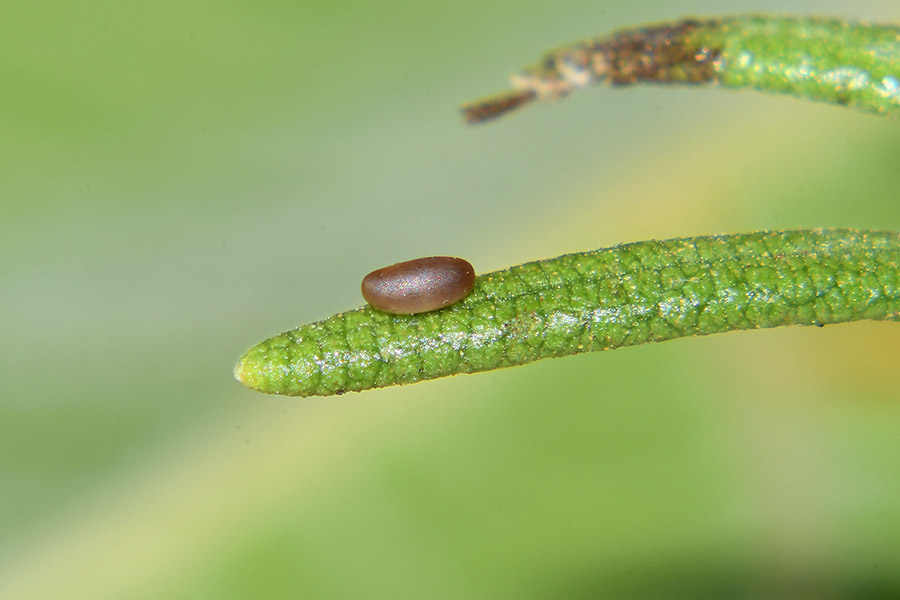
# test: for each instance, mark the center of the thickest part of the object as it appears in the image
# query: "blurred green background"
(183, 179)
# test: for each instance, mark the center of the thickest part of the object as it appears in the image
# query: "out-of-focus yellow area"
(179, 180)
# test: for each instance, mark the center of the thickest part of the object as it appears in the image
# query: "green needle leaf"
(631, 294)
(849, 64)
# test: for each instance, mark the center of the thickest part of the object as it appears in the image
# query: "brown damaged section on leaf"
(495, 106)
(664, 54)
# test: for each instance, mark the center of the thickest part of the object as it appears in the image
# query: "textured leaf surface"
(850, 64)
(631, 294)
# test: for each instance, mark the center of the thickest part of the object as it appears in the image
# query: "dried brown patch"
(495, 106)
(666, 53)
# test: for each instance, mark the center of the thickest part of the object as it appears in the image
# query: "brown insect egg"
(419, 285)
